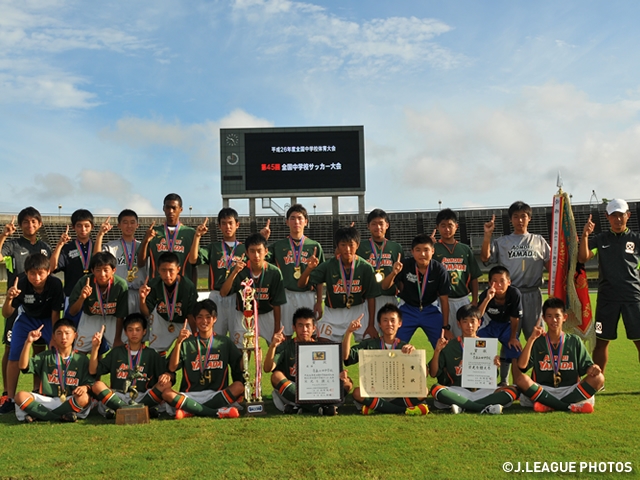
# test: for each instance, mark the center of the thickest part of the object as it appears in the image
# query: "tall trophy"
(134, 412)
(253, 404)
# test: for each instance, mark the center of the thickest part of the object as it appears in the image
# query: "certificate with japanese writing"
(478, 369)
(318, 372)
(391, 373)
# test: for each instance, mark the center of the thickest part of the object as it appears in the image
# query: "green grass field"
(349, 445)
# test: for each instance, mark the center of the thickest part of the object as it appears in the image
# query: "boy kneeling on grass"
(446, 365)
(389, 321)
(564, 377)
(281, 360)
(65, 378)
(134, 362)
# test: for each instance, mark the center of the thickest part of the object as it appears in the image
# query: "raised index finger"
(40, 327)
(108, 218)
(186, 323)
(15, 284)
(88, 284)
(206, 220)
(493, 218)
(103, 329)
(399, 255)
(153, 224)
(66, 232)
(315, 250)
(13, 220)
(589, 218)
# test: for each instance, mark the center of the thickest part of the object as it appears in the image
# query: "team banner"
(567, 277)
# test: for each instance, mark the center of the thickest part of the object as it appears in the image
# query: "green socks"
(111, 400)
(538, 394)
(287, 389)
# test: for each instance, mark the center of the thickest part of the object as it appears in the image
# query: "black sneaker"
(328, 410)
(109, 414)
(292, 409)
(69, 417)
(154, 412)
(8, 407)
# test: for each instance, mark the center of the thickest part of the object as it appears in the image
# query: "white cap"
(617, 205)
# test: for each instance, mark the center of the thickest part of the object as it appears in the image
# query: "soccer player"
(446, 366)
(124, 249)
(291, 255)
(134, 370)
(168, 301)
(101, 298)
(618, 251)
(351, 288)
(389, 320)
(205, 360)
(421, 281)
(461, 264)
(380, 253)
(269, 289)
(563, 377)
(65, 385)
(221, 258)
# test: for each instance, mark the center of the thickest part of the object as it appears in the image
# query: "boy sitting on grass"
(389, 321)
(446, 365)
(65, 378)
(564, 377)
(134, 362)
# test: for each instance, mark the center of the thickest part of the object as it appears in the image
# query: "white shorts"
(160, 336)
(201, 398)
(89, 325)
(295, 300)
(279, 401)
(227, 312)
(126, 398)
(454, 305)
(133, 300)
(265, 327)
(558, 392)
(335, 321)
(469, 395)
(51, 403)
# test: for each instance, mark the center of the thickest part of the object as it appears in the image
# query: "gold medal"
(86, 271)
(296, 273)
(379, 275)
(557, 378)
(226, 274)
(62, 394)
(171, 328)
(202, 380)
(349, 302)
(131, 274)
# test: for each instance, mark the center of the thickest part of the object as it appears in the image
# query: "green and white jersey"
(450, 364)
(364, 284)
(269, 287)
(119, 362)
(113, 299)
(285, 359)
(220, 261)
(215, 374)
(573, 365)
(286, 254)
(381, 256)
(162, 299)
(461, 264)
(371, 344)
(75, 372)
(180, 245)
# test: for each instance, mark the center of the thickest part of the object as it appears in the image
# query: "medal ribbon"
(85, 258)
(133, 363)
(421, 287)
(62, 372)
(101, 301)
(343, 275)
(383, 346)
(203, 363)
(374, 250)
(128, 255)
(554, 362)
(228, 258)
(255, 279)
(296, 251)
(171, 238)
(171, 305)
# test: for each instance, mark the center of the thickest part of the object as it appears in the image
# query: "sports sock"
(446, 396)
(224, 399)
(70, 406)
(110, 399)
(152, 398)
(37, 410)
(505, 365)
(287, 389)
(582, 392)
(383, 406)
(501, 397)
(406, 402)
(538, 394)
(189, 405)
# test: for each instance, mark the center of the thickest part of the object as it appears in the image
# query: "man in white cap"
(618, 252)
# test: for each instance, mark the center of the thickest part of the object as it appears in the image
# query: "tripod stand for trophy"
(250, 343)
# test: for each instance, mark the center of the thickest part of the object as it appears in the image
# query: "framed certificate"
(318, 367)
(391, 373)
(478, 369)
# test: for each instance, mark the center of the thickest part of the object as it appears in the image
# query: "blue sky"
(114, 104)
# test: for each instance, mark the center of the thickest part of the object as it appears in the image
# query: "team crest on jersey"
(630, 247)
(44, 252)
(29, 299)
(598, 327)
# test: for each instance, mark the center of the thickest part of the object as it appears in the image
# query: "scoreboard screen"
(292, 161)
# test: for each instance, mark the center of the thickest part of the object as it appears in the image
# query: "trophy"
(134, 412)
(253, 403)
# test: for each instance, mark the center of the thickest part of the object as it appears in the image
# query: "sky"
(110, 105)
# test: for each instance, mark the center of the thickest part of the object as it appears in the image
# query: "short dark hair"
(127, 212)
(81, 215)
(519, 207)
(29, 212)
(304, 313)
(206, 304)
(499, 270)
(171, 198)
(64, 322)
(553, 302)
(467, 311)
(421, 239)
(134, 318)
(446, 214)
(297, 208)
(346, 234)
(377, 213)
(168, 257)
(389, 308)
(102, 259)
(227, 212)
(254, 240)
(36, 261)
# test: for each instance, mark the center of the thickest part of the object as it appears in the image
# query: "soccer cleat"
(492, 409)
(180, 414)
(581, 408)
(7, 407)
(29, 419)
(3, 398)
(228, 412)
(69, 417)
(420, 409)
(455, 409)
(328, 410)
(540, 408)
(154, 412)
(290, 409)
(109, 414)
(367, 410)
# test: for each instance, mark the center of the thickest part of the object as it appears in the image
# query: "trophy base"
(253, 409)
(132, 415)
